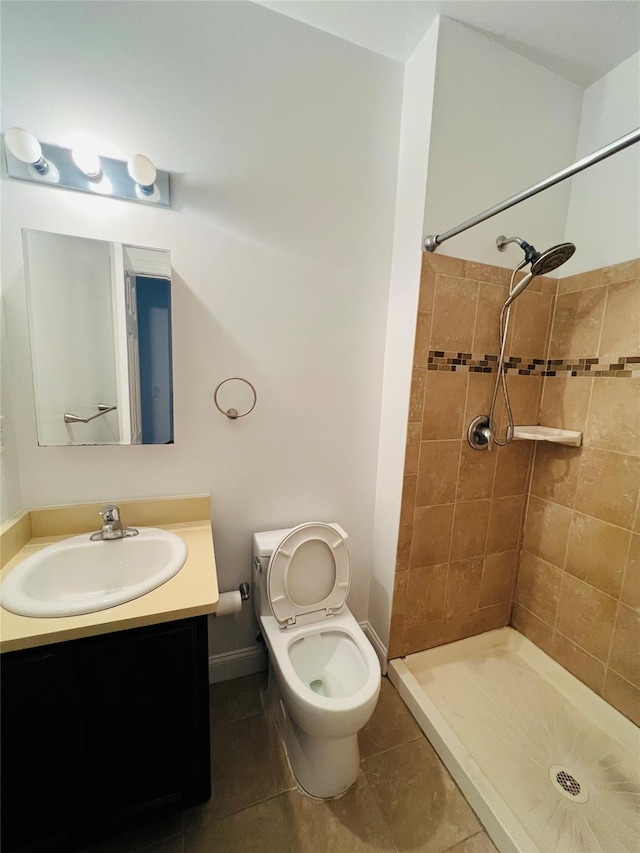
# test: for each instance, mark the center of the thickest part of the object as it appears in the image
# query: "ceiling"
(579, 39)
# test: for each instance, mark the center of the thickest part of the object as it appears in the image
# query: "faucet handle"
(110, 514)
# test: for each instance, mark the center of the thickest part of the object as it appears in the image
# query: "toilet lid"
(309, 574)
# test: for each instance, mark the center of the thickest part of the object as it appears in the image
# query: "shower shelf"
(542, 433)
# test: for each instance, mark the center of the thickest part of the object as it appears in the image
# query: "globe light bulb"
(88, 162)
(143, 172)
(26, 148)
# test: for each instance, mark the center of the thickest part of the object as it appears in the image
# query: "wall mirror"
(100, 335)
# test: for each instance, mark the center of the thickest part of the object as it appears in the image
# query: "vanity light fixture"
(82, 169)
(25, 147)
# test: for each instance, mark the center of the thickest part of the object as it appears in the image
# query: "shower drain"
(567, 784)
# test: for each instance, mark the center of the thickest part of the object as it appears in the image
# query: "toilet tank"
(264, 544)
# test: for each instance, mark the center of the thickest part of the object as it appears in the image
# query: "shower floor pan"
(546, 764)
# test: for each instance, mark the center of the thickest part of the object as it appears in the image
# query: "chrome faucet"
(112, 525)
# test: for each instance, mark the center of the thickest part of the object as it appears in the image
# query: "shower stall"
(515, 624)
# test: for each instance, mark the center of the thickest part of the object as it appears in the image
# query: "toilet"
(324, 676)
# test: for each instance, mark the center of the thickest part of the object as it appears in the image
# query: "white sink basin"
(80, 576)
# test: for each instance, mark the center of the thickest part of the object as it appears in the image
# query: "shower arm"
(433, 241)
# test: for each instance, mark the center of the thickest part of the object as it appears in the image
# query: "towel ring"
(233, 413)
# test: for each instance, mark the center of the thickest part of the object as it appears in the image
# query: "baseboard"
(379, 647)
(234, 664)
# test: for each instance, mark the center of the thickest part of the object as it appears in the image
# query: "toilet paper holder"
(231, 603)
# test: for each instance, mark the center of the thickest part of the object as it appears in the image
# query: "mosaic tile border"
(625, 367)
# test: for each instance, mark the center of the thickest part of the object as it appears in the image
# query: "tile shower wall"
(462, 510)
(578, 590)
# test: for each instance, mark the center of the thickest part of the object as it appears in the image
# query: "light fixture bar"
(115, 181)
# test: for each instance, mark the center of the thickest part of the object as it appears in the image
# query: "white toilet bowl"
(324, 677)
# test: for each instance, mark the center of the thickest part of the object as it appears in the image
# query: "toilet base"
(324, 768)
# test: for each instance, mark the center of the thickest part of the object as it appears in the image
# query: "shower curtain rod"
(433, 241)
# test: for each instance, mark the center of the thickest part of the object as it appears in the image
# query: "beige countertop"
(193, 591)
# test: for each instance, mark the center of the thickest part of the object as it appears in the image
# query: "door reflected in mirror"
(100, 334)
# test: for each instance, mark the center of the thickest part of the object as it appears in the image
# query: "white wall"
(604, 208)
(417, 104)
(500, 124)
(282, 142)
(10, 486)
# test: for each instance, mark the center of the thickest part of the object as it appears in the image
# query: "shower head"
(541, 262)
(553, 258)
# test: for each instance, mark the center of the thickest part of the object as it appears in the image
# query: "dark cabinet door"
(102, 733)
(146, 728)
(42, 755)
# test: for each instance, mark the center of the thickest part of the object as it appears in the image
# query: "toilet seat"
(309, 575)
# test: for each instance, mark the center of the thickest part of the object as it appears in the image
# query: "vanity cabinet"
(103, 732)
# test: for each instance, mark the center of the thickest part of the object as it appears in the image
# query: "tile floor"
(404, 798)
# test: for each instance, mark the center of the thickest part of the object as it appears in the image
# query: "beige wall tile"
(585, 667)
(423, 336)
(586, 616)
(416, 399)
(445, 397)
(546, 530)
(538, 587)
(412, 451)
(513, 469)
(524, 392)
(425, 594)
(426, 635)
(631, 587)
(437, 472)
(400, 586)
(565, 402)
(505, 526)
(498, 575)
(603, 276)
(621, 325)
(445, 264)
(608, 486)
(532, 627)
(427, 285)
(531, 324)
(476, 474)
(409, 484)
(577, 324)
(405, 532)
(622, 695)
(597, 553)
(555, 473)
(614, 416)
(463, 587)
(625, 647)
(491, 298)
(488, 273)
(459, 626)
(478, 396)
(431, 535)
(454, 313)
(470, 529)
(492, 617)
